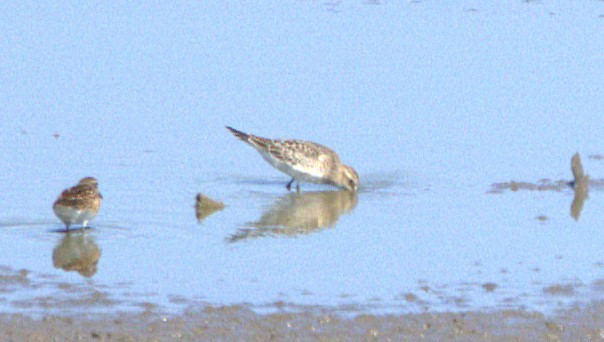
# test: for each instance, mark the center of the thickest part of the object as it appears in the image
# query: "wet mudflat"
(241, 323)
(279, 320)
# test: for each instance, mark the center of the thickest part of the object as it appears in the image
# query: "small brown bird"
(303, 161)
(79, 204)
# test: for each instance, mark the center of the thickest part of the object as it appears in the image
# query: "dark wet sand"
(85, 312)
(240, 323)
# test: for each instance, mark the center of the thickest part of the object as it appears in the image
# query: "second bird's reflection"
(299, 213)
(77, 252)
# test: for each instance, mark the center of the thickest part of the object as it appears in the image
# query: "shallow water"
(432, 104)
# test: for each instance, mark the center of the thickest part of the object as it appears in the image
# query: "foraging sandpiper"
(303, 161)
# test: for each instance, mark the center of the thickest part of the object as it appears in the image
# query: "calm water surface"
(431, 103)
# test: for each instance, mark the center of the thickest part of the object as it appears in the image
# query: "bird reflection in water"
(77, 252)
(299, 213)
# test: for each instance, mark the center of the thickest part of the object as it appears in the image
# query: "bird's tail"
(243, 136)
(255, 141)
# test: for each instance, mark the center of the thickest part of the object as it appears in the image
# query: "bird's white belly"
(71, 215)
(308, 175)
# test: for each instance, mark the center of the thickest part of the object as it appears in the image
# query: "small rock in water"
(205, 206)
(580, 186)
(577, 168)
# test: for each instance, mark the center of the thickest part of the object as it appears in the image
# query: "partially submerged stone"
(205, 206)
(577, 168)
(580, 181)
(579, 185)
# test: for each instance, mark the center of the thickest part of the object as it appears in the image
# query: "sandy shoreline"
(241, 323)
(84, 312)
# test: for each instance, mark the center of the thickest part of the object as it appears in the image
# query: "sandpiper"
(79, 204)
(303, 161)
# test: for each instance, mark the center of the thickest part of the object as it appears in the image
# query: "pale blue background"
(437, 100)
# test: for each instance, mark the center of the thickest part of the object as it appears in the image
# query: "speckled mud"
(89, 313)
(240, 323)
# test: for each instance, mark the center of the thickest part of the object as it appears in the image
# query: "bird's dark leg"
(298, 186)
(289, 185)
